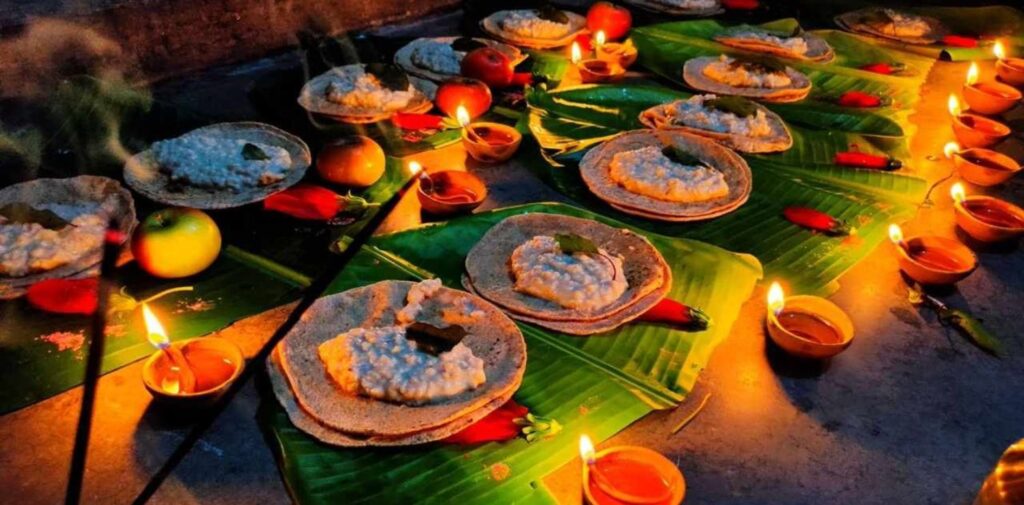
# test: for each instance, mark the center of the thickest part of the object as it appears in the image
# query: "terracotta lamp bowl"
(1011, 71)
(961, 259)
(621, 54)
(216, 363)
(973, 130)
(803, 347)
(984, 167)
(988, 219)
(597, 71)
(451, 192)
(596, 494)
(491, 142)
(991, 97)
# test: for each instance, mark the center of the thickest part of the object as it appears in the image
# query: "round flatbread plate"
(492, 26)
(870, 21)
(817, 48)
(489, 274)
(693, 74)
(313, 98)
(102, 194)
(676, 10)
(665, 117)
(594, 169)
(493, 338)
(403, 57)
(143, 173)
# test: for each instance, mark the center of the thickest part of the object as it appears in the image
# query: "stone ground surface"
(911, 413)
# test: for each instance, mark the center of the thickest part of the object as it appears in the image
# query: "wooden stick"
(186, 377)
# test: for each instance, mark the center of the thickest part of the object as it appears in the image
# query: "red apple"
(176, 242)
(472, 94)
(614, 20)
(488, 65)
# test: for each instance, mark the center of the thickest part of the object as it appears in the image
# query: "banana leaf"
(566, 123)
(596, 385)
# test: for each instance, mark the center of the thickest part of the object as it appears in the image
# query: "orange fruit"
(355, 161)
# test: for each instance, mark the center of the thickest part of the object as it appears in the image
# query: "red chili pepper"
(497, 426)
(959, 41)
(409, 121)
(315, 203)
(65, 296)
(816, 220)
(674, 313)
(583, 40)
(859, 99)
(522, 79)
(879, 68)
(743, 5)
(864, 160)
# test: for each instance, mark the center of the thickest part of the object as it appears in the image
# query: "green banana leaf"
(596, 385)
(566, 123)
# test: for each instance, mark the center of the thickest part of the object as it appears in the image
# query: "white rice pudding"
(906, 25)
(727, 72)
(576, 281)
(382, 363)
(797, 45)
(27, 248)
(352, 87)
(647, 171)
(693, 113)
(437, 56)
(213, 161)
(526, 23)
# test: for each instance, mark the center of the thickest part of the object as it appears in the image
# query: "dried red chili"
(409, 121)
(311, 202)
(506, 423)
(65, 296)
(816, 220)
(740, 4)
(959, 41)
(859, 99)
(864, 160)
(522, 79)
(677, 314)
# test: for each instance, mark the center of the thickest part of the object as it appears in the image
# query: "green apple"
(176, 242)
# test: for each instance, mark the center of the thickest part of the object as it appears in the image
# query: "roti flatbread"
(313, 98)
(693, 74)
(594, 169)
(492, 25)
(494, 338)
(404, 56)
(878, 22)
(676, 10)
(817, 48)
(667, 117)
(143, 173)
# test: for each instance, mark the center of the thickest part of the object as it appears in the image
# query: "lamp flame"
(586, 450)
(599, 38)
(776, 298)
(577, 55)
(958, 193)
(972, 74)
(999, 50)
(414, 168)
(155, 332)
(950, 149)
(462, 116)
(895, 234)
(954, 105)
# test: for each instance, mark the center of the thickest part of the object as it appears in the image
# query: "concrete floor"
(911, 413)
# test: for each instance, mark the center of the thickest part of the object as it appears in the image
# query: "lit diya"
(933, 260)
(985, 218)
(807, 326)
(988, 97)
(1010, 70)
(488, 142)
(973, 130)
(593, 70)
(983, 167)
(450, 192)
(622, 54)
(188, 373)
(629, 475)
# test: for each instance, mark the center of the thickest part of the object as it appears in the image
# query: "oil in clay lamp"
(807, 326)
(981, 167)
(973, 130)
(629, 475)
(990, 97)
(593, 70)
(190, 373)
(985, 218)
(449, 192)
(621, 53)
(932, 260)
(488, 142)
(1010, 70)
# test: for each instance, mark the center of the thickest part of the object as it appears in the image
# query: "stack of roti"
(734, 121)
(54, 228)
(366, 93)
(892, 24)
(681, 7)
(798, 45)
(567, 274)
(543, 28)
(440, 58)
(396, 363)
(765, 80)
(667, 175)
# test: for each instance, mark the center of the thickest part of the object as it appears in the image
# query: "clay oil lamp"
(488, 142)
(973, 130)
(988, 97)
(986, 219)
(621, 53)
(449, 192)
(1010, 70)
(807, 326)
(982, 167)
(593, 70)
(629, 475)
(932, 260)
(190, 373)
